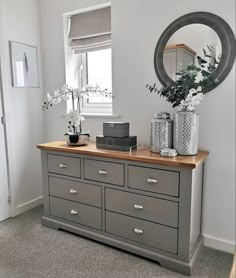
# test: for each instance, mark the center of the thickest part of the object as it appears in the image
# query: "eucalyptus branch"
(189, 79)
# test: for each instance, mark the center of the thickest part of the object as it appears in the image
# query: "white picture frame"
(24, 65)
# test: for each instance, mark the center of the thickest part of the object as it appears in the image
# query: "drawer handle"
(62, 165)
(72, 191)
(138, 207)
(102, 172)
(73, 212)
(151, 180)
(138, 231)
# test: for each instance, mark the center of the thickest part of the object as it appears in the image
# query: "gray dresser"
(139, 202)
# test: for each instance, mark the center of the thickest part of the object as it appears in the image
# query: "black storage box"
(116, 129)
(118, 144)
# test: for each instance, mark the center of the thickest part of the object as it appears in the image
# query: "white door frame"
(5, 196)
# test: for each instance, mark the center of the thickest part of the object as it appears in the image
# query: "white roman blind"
(90, 31)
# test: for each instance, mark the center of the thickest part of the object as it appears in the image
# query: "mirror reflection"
(191, 44)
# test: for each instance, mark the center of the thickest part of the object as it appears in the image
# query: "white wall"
(136, 27)
(25, 120)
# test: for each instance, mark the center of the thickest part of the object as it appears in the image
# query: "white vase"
(186, 133)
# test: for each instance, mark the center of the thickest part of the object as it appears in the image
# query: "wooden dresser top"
(143, 155)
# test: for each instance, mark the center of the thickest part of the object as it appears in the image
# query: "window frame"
(85, 106)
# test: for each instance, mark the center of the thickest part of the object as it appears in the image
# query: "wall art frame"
(24, 65)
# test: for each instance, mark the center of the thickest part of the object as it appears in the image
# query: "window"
(96, 71)
(90, 41)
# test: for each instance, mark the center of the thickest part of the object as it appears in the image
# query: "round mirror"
(191, 39)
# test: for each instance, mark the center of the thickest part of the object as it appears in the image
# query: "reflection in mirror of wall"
(186, 44)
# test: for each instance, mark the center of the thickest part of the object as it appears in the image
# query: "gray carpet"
(29, 250)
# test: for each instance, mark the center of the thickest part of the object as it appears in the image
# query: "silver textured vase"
(186, 133)
(161, 132)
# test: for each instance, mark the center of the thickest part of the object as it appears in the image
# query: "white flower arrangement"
(75, 94)
(74, 118)
(194, 97)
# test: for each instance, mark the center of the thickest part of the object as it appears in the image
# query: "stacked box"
(116, 137)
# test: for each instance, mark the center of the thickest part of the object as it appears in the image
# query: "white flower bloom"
(199, 89)
(189, 97)
(192, 99)
(57, 100)
(74, 117)
(190, 108)
(65, 97)
(195, 102)
(49, 97)
(199, 96)
(192, 91)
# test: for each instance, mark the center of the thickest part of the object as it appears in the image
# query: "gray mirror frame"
(215, 22)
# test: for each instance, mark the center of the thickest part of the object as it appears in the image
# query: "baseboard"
(219, 244)
(27, 206)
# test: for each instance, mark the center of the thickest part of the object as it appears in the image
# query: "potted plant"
(186, 93)
(75, 134)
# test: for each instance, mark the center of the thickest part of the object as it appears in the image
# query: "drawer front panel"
(76, 191)
(144, 232)
(147, 208)
(153, 180)
(102, 171)
(82, 214)
(64, 165)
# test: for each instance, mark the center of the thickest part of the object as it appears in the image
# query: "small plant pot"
(78, 139)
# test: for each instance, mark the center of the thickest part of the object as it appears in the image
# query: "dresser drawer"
(102, 171)
(64, 165)
(153, 180)
(76, 191)
(82, 214)
(144, 207)
(144, 232)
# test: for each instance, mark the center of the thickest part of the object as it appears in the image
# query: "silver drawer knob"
(73, 212)
(138, 231)
(102, 172)
(150, 180)
(62, 165)
(138, 207)
(72, 191)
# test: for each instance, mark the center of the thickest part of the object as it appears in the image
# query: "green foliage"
(192, 77)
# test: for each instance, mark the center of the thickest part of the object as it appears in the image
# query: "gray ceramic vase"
(186, 133)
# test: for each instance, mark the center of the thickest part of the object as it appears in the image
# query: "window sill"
(96, 115)
(99, 115)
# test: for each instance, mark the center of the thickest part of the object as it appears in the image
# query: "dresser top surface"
(143, 155)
